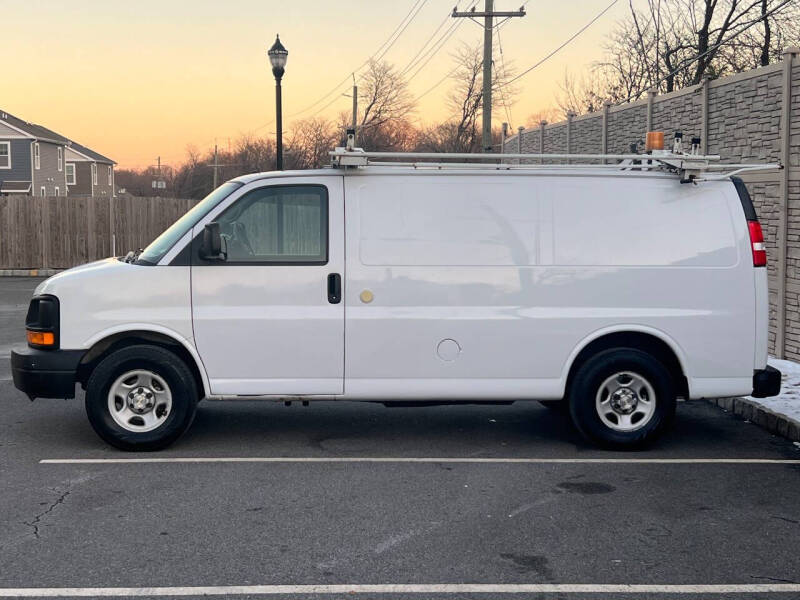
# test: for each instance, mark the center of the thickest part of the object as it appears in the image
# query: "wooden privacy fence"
(63, 231)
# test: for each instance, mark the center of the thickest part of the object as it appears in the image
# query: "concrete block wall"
(587, 134)
(679, 112)
(744, 115)
(792, 331)
(626, 125)
(740, 118)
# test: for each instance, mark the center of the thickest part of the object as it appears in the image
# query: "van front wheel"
(141, 398)
(622, 398)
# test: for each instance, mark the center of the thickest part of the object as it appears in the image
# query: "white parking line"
(408, 459)
(447, 588)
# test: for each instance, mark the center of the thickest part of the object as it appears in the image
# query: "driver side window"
(278, 225)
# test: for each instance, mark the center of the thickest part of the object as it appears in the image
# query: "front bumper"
(766, 382)
(45, 373)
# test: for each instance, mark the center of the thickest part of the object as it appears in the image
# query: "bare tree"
(670, 44)
(583, 94)
(551, 114)
(253, 155)
(386, 108)
(311, 140)
(459, 133)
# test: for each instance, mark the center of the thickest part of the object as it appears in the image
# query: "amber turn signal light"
(41, 338)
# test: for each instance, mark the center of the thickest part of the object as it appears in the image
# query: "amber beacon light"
(654, 141)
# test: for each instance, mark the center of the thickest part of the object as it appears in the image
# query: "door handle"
(334, 288)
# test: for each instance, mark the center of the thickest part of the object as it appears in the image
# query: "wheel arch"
(652, 341)
(107, 342)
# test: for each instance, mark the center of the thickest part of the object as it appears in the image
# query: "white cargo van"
(613, 288)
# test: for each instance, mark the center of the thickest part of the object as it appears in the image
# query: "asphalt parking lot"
(357, 500)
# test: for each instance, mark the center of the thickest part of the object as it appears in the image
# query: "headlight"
(42, 322)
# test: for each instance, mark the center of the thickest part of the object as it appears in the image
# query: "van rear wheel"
(622, 398)
(141, 398)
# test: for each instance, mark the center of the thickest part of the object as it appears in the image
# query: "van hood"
(98, 268)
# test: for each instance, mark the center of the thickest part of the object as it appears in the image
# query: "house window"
(5, 155)
(60, 159)
(109, 175)
(94, 173)
(37, 161)
(70, 174)
(58, 191)
(43, 191)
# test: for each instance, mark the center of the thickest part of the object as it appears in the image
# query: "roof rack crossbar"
(341, 152)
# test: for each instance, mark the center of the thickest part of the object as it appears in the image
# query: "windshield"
(161, 245)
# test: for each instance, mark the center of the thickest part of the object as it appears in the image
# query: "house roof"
(89, 153)
(43, 133)
(32, 129)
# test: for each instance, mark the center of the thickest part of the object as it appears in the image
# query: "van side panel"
(485, 285)
(450, 262)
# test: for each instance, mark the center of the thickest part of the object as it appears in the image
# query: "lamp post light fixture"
(277, 58)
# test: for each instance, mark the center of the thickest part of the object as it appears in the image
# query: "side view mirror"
(211, 246)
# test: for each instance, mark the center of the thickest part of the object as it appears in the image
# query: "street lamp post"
(277, 58)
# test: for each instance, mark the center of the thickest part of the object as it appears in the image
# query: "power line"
(437, 84)
(505, 21)
(435, 51)
(502, 90)
(554, 52)
(389, 47)
(425, 45)
(391, 39)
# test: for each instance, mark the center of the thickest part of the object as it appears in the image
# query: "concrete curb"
(763, 417)
(29, 272)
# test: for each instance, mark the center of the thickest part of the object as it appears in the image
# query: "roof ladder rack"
(690, 167)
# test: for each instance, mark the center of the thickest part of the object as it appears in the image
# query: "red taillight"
(757, 243)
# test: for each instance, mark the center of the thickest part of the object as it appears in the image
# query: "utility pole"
(157, 185)
(355, 110)
(488, 15)
(216, 166)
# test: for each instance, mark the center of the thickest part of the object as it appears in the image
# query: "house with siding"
(88, 173)
(37, 161)
(31, 158)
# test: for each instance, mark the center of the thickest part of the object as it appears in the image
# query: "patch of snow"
(788, 402)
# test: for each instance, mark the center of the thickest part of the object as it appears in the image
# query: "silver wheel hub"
(626, 401)
(139, 401)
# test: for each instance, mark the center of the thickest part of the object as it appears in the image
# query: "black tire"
(599, 369)
(166, 366)
(561, 406)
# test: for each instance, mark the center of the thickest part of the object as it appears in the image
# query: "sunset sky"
(135, 80)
